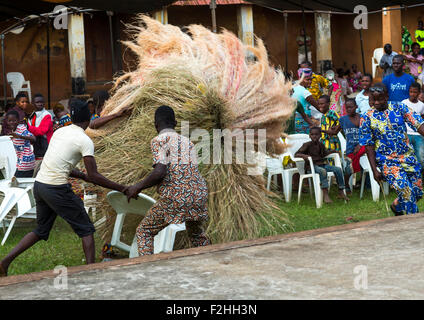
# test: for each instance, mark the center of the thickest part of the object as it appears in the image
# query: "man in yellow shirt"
(419, 36)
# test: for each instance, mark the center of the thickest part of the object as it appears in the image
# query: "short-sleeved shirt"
(363, 103)
(316, 151)
(398, 87)
(67, 147)
(317, 85)
(386, 130)
(328, 120)
(183, 192)
(25, 155)
(351, 132)
(300, 93)
(417, 107)
(419, 33)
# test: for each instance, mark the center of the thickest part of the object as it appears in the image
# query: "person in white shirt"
(417, 106)
(53, 194)
(362, 98)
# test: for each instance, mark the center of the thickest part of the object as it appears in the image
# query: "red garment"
(45, 127)
(355, 159)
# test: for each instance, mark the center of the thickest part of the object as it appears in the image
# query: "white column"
(76, 45)
(245, 24)
(161, 15)
(323, 41)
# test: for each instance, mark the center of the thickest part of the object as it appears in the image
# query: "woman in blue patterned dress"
(383, 133)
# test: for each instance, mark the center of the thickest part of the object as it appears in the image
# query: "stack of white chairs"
(17, 192)
(18, 83)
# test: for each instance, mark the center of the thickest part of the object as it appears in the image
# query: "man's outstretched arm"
(95, 177)
(154, 178)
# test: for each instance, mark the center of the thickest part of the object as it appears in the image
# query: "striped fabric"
(24, 152)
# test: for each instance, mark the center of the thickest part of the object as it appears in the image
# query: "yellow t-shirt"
(419, 33)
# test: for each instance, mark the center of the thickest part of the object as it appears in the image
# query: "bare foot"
(343, 196)
(327, 199)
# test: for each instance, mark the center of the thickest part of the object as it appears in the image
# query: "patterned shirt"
(386, 130)
(183, 192)
(328, 120)
(317, 85)
(64, 121)
(24, 153)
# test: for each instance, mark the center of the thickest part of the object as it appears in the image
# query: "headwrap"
(79, 111)
(304, 71)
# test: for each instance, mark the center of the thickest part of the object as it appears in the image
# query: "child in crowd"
(330, 125)
(61, 117)
(417, 106)
(350, 126)
(317, 151)
(22, 140)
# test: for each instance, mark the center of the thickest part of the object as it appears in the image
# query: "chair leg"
(364, 176)
(116, 235)
(318, 191)
(8, 230)
(310, 187)
(287, 185)
(299, 193)
(268, 185)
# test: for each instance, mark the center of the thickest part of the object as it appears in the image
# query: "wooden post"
(77, 53)
(161, 15)
(392, 26)
(323, 41)
(245, 24)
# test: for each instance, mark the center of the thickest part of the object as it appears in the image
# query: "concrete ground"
(380, 259)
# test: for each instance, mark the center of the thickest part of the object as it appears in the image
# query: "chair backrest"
(295, 141)
(342, 142)
(7, 150)
(16, 80)
(119, 202)
(378, 53)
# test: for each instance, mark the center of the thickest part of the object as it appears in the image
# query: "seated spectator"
(330, 125)
(417, 106)
(317, 151)
(22, 140)
(21, 105)
(350, 126)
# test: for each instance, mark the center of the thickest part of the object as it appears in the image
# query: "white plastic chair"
(343, 147)
(163, 241)
(17, 193)
(375, 60)
(375, 187)
(17, 83)
(315, 177)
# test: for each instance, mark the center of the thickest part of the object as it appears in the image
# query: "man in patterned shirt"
(383, 133)
(183, 193)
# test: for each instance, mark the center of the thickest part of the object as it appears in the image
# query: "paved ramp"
(380, 259)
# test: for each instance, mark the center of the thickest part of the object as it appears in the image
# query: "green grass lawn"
(64, 247)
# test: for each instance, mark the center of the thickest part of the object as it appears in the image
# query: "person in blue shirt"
(398, 82)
